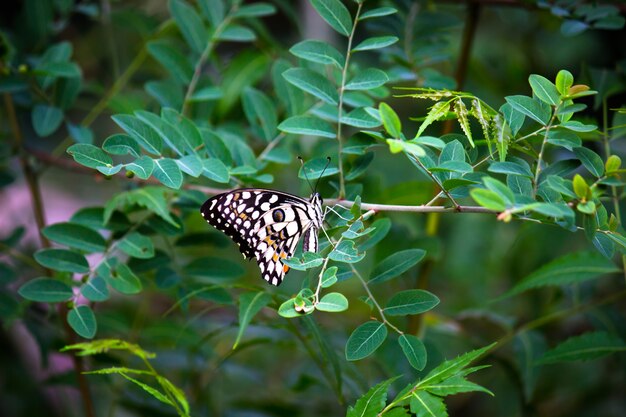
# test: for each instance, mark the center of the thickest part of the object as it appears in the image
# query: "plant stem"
(344, 75)
(541, 151)
(371, 297)
(436, 181)
(412, 209)
(35, 194)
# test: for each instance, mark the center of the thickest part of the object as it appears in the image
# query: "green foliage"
(438, 201)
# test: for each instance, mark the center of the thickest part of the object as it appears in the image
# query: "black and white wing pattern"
(267, 225)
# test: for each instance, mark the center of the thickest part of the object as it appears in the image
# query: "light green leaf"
(80, 134)
(568, 269)
(142, 167)
(237, 33)
(82, 320)
(360, 118)
(250, 304)
(190, 165)
(46, 119)
(89, 155)
(375, 43)
(346, 252)
(379, 12)
(260, 111)
(45, 290)
(62, 260)
(424, 404)
(120, 144)
(172, 60)
(313, 83)
(75, 236)
(436, 112)
(124, 280)
(510, 168)
(535, 109)
(332, 302)
(365, 339)
(168, 173)
(544, 89)
(215, 170)
(207, 94)
(411, 302)
(564, 80)
(255, 10)
(95, 289)
(190, 24)
(396, 264)
(329, 278)
(372, 402)
(146, 136)
(588, 346)
(136, 245)
(390, 120)
(318, 51)
(414, 350)
(309, 260)
(367, 79)
(307, 125)
(488, 199)
(335, 14)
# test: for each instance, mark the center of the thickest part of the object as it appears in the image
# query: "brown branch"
(412, 209)
(35, 192)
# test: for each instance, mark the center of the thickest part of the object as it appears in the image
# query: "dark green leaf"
(367, 79)
(168, 173)
(318, 51)
(332, 302)
(82, 320)
(75, 236)
(190, 24)
(411, 302)
(89, 155)
(379, 12)
(346, 252)
(375, 43)
(62, 260)
(372, 402)
(136, 245)
(250, 304)
(120, 144)
(535, 109)
(335, 14)
(544, 89)
(215, 170)
(396, 264)
(588, 346)
(95, 289)
(590, 160)
(46, 119)
(314, 168)
(172, 60)
(307, 125)
(365, 339)
(142, 167)
(46, 290)
(237, 33)
(510, 168)
(313, 83)
(414, 350)
(145, 135)
(124, 280)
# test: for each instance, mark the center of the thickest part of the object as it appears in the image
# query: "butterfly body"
(267, 225)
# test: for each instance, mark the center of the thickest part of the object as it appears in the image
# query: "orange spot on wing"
(285, 269)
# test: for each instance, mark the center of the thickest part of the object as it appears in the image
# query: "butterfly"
(267, 225)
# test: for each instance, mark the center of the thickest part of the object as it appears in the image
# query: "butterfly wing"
(266, 225)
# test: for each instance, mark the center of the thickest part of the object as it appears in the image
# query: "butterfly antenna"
(322, 174)
(306, 177)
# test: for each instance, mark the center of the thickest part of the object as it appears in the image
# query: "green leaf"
(46, 290)
(215, 170)
(365, 339)
(453, 367)
(82, 320)
(329, 277)
(346, 252)
(510, 168)
(213, 10)
(564, 80)
(124, 280)
(309, 260)
(332, 302)
(414, 350)
(360, 118)
(172, 60)
(578, 126)
(250, 304)
(335, 14)
(46, 119)
(379, 12)
(372, 402)
(318, 51)
(424, 404)
(488, 199)
(80, 134)
(436, 112)
(396, 264)
(60, 69)
(288, 310)
(237, 33)
(367, 79)
(62, 260)
(255, 10)
(207, 94)
(313, 83)
(563, 138)
(168, 173)
(381, 228)
(136, 245)
(307, 125)
(590, 160)
(120, 144)
(150, 390)
(75, 236)
(398, 145)
(619, 239)
(141, 167)
(535, 109)
(190, 24)
(375, 43)
(95, 289)
(411, 302)
(145, 135)
(390, 120)
(588, 346)
(544, 89)
(313, 169)
(260, 111)
(568, 269)
(89, 155)
(190, 165)
(168, 133)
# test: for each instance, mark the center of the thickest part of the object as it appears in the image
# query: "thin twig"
(412, 209)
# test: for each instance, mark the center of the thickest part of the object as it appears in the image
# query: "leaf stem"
(344, 75)
(439, 184)
(541, 151)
